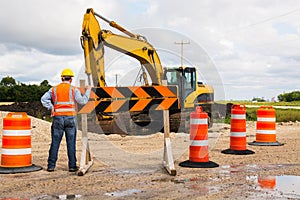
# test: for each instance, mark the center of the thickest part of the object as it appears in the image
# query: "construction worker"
(62, 100)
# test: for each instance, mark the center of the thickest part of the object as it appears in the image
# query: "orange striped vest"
(64, 100)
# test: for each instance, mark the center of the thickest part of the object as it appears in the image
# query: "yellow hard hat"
(67, 72)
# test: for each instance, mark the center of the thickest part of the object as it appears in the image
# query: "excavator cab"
(184, 78)
(191, 91)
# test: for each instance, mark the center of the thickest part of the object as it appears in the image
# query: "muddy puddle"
(247, 180)
(277, 187)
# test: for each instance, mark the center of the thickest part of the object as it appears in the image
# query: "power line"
(264, 20)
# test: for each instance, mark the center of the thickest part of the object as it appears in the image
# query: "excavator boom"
(94, 39)
(180, 96)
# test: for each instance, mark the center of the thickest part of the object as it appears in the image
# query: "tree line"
(11, 91)
(288, 97)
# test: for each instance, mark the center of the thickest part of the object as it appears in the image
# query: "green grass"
(293, 103)
(282, 115)
(286, 115)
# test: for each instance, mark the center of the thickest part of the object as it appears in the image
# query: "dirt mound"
(34, 109)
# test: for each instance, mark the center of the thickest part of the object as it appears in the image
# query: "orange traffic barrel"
(198, 150)
(266, 127)
(267, 182)
(16, 144)
(238, 131)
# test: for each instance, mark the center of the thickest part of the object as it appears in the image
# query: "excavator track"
(126, 123)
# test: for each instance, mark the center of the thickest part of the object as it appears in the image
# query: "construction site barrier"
(198, 150)
(16, 144)
(238, 131)
(266, 127)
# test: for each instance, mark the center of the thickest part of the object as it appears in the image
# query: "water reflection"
(286, 186)
(267, 182)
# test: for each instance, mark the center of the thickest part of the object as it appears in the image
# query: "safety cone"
(16, 145)
(238, 132)
(266, 127)
(198, 154)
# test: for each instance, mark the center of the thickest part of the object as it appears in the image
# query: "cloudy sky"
(244, 49)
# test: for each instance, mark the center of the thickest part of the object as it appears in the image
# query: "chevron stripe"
(140, 105)
(113, 92)
(166, 104)
(127, 92)
(130, 105)
(92, 94)
(164, 91)
(131, 92)
(139, 92)
(115, 106)
(89, 107)
(101, 93)
(137, 98)
(152, 92)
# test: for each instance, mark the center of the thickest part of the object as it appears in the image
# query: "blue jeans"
(61, 125)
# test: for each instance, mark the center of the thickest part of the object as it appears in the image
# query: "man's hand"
(52, 112)
(88, 87)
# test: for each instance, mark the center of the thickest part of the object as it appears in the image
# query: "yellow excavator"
(190, 90)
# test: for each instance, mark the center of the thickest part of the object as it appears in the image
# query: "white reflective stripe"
(16, 133)
(238, 134)
(64, 102)
(71, 95)
(65, 110)
(266, 131)
(198, 121)
(54, 95)
(16, 151)
(238, 116)
(266, 119)
(200, 143)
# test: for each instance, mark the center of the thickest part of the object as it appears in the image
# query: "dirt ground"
(131, 168)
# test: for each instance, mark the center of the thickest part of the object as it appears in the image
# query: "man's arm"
(82, 99)
(46, 100)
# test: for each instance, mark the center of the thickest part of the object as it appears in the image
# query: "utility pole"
(182, 43)
(116, 80)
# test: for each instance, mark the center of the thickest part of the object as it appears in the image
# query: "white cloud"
(254, 44)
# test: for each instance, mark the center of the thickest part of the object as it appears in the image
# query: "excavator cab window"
(188, 81)
(184, 78)
(172, 77)
(190, 78)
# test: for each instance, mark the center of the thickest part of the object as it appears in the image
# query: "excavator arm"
(94, 39)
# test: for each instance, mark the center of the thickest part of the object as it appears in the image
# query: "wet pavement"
(254, 185)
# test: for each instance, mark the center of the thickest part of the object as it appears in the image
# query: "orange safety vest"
(64, 100)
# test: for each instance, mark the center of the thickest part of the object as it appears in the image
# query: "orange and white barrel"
(266, 124)
(16, 141)
(238, 127)
(198, 149)
(266, 127)
(199, 136)
(238, 131)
